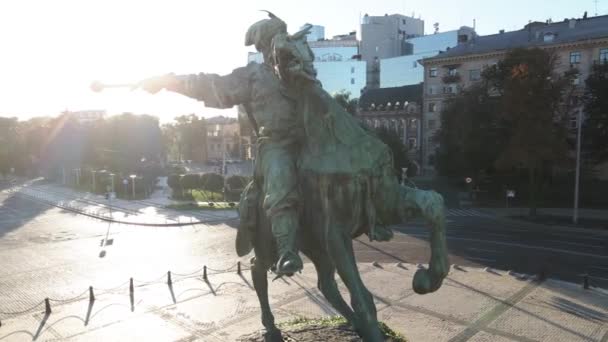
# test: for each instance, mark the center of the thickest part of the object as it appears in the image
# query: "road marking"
(480, 259)
(525, 246)
(596, 277)
(575, 243)
(599, 268)
(483, 250)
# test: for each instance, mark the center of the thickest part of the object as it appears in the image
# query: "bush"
(236, 182)
(212, 182)
(234, 187)
(190, 181)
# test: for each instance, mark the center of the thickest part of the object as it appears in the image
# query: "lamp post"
(133, 183)
(112, 181)
(578, 165)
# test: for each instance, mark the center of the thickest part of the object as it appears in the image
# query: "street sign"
(468, 180)
(510, 193)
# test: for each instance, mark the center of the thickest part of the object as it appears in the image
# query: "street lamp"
(133, 183)
(112, 181)
(578, 165)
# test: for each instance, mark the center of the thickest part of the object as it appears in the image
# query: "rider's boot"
(284, 228)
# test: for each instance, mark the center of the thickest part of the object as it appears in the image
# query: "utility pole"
(223, 162)
(578, 165)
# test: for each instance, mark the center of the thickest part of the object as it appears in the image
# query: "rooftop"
(408, 93)
(534, 34)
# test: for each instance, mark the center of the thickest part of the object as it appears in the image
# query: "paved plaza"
(50, 250)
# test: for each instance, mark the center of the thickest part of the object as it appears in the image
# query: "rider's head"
(261, 33)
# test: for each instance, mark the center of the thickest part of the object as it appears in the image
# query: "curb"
(106, 219)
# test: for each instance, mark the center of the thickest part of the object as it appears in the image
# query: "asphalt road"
(503, 244)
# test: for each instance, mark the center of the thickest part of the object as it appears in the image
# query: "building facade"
(386, 37)
(577, 43)
(406, 70)
(223, 138)
(398, 109)
(337, 62)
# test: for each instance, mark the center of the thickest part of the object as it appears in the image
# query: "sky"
(51, 51)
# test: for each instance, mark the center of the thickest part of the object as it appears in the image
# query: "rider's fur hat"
(261, 33)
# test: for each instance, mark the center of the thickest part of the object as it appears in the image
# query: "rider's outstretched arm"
(215, 90)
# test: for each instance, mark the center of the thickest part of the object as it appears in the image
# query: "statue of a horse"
(347, 188)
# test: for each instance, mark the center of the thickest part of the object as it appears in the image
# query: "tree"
(212, 182)
(8, 144)
(186, 138)
(471, 134)
(343, 98)
(398, 150)
(530, 102)
(595, 128)
(190, 181)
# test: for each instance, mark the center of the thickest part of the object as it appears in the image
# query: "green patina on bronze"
(320, 179)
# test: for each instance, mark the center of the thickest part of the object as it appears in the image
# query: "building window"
(575, 57)
(352, 81)
(413, 124)
(432, 107)
(432, 90)
(604, 55)
(411, 142)
(352, 70)
(475, 74)
(431, 124)
(431, 160)
(433, 72)
(452, 71)
(403, 20)
(414, 64)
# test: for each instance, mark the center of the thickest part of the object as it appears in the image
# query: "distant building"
(397, 109)
(578, 43)
(317, 32)
(337, 63)
(223, 137)
(86, 116)
(406, 70)
(386, 37)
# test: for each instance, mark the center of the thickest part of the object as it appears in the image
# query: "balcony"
(454, 78)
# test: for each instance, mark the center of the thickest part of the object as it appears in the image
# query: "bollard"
(586, 281)
(47, 306)
(238, 267)
(131, 294)
(205, 272)
(169, 281)
(91, 295)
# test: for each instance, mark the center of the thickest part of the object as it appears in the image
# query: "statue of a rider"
(273, 114)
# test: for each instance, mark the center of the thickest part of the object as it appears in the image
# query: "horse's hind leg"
(327, 284)
(366, 321)
(260, 283)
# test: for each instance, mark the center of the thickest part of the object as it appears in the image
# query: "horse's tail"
(430, 204)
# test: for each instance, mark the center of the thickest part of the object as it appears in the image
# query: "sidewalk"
(595, 214)
(142, 212)
(472, 305)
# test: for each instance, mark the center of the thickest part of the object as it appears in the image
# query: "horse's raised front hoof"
(424, 282)
(273, 336)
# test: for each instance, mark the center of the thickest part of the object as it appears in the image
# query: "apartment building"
(578, 43)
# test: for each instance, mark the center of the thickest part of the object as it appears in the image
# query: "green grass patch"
(334, 321)
(207, 196)
(203, 206)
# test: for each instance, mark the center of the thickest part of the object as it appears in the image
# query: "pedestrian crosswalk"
(466, 212)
